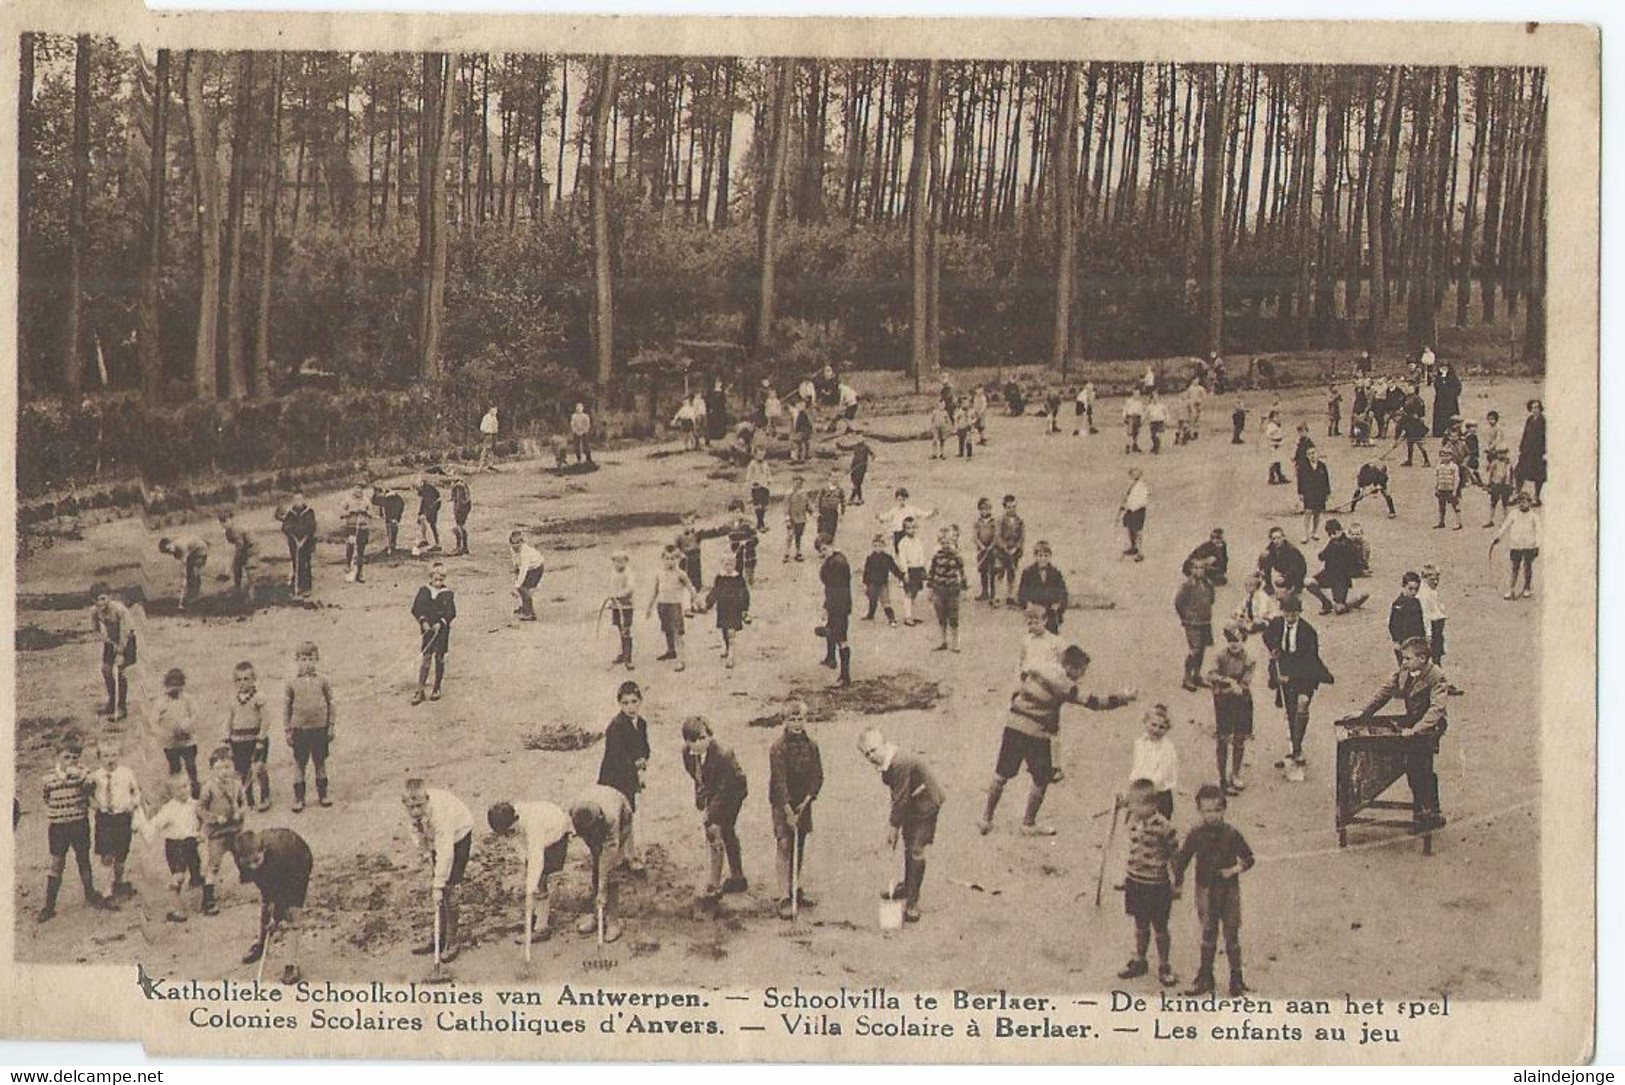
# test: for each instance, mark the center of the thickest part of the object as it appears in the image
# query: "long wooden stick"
(1100, 879)
(530, 913)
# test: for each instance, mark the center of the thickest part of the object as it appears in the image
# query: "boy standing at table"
(1422, 688)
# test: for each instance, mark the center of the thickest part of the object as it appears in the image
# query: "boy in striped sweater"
(1447, 486)
(947, 579)
(67, 790)
(1148, 889)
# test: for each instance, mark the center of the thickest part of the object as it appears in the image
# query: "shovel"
(530, 917)
(602, 961)
(795, 929)
(438, 974)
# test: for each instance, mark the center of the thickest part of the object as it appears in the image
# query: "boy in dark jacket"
(1042, 584)
(1340, 561)
(879, 570)
(719, 792)
(1216, 552)
(626, 753)
(435, 608)
(299, 525)
(730, 595)
(278, 861)
(916, 799)
(1405, 616)
(1372, 481)
(795, 777)
(1194, 605)
(428, 516)
(1222, 856)
(392, 506)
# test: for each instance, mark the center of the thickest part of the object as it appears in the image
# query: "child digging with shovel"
(795, 777)
(602, 818)
(445, 829)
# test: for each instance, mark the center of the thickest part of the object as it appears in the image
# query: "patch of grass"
(904, 691)
(562, 736)
(609, 523)
(33, 638)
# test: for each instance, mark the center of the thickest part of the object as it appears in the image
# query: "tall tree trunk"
(1353, 262)
(1305, 200)
(925, 137)
(1380, 211)
(237, 377)
(439, 75)
(1501, 83)
(270, 181)
(1464, 277)
(564, 128)
(25, 185)
(1420, 326)
(152, 237)
(767, 208)
(370, 119)
(1066, 216)
(78, 198)
(603, 324)
(725, 155)
(879, 168)
(206, 177)
(1534, 330)
(400, 149)
(1213, 184)
(1238, 220)
(1328, 246)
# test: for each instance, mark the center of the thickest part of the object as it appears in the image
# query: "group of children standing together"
(198, 818)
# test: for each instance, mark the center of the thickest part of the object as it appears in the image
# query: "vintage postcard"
(821, 540)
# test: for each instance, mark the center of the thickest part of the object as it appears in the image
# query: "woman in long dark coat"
(1446, 398)
(1532, 449)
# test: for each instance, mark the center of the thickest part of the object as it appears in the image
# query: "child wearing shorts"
(221, 811)
(673, 593)
(1231, 682)
(947, 579)
(115, 797)
(177, 824)
(1521, 532)
(67, 790)
(622, 586)
(248, 736)
(1148, 888)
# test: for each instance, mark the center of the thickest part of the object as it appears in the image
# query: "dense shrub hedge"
(62, 446)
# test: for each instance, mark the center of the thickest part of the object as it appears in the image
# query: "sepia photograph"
(827, 526)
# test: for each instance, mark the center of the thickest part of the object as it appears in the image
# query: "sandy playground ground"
(999, 910)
